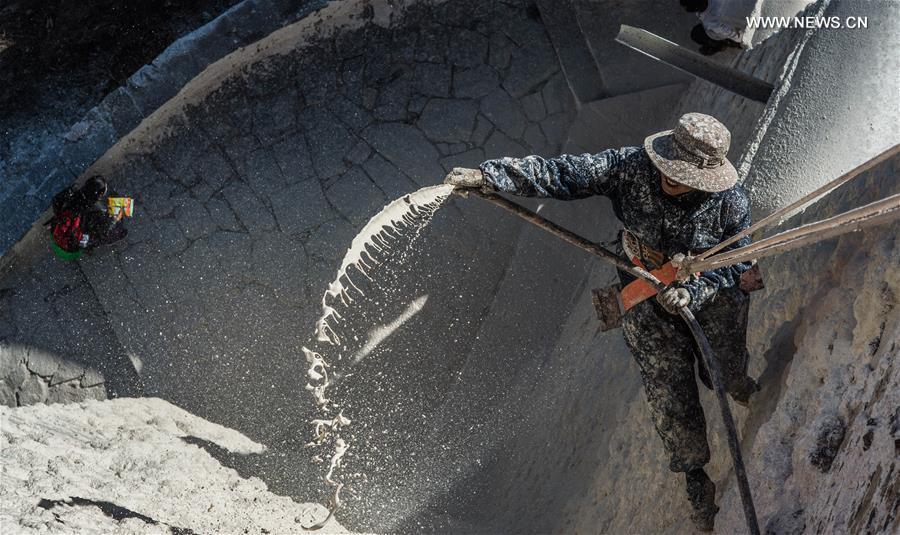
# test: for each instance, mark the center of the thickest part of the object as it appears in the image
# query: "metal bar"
(876, 213)
(777, 214)
(706, 351)
(695, 64)
(567, 235)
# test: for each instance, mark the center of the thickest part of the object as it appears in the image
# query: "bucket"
(63, 254)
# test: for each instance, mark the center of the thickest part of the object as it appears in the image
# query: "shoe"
(115, 234)
(741, 395)
(708, 45)
(702, 495)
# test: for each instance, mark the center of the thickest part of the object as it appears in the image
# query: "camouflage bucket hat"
(694, 153)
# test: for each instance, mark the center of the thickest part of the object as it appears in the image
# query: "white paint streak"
(408, 214)
(783, 86)
(381, 333)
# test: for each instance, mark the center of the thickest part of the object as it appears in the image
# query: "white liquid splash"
(318, 377)
(404, 217)
(380, 334)
(408, 214)
(340, 448)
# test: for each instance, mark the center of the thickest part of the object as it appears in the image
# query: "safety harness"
(644, 256)
(877, 213)
(612, 302)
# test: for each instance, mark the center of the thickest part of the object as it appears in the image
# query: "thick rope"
(876, 213)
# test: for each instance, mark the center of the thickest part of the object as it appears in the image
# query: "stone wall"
(25, 195)
(822, 438)
(251, 181)
(498, 407)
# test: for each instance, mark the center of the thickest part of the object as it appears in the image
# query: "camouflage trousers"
(665, 351)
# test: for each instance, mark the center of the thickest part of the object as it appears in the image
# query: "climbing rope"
(876, 213)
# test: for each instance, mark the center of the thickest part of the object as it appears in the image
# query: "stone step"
(623, 120)
(575, 56)
(622, 69)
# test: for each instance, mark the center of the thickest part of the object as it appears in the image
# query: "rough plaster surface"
(132, 466)
(826, 341)
(513, 414)
(837, 113)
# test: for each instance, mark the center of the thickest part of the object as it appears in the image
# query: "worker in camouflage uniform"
(676, 194)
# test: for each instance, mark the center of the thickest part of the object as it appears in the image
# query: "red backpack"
(66, 225)
(67, 231)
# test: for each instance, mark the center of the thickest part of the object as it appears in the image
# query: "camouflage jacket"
(692, 222)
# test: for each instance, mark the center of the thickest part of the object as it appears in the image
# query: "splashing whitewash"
(404, 217)
(381, 333)
(408, 214)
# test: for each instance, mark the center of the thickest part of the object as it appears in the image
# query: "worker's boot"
(742, 391)
(708, 45)
(702, 494)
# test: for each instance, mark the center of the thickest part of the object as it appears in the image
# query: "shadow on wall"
(284, 466)
(772, 381)
(56, 343)
(116, 512)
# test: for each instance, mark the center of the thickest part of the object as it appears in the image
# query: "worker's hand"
(461, 177)
(673, 298)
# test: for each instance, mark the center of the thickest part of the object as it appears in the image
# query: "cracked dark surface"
(245, 207)
(245, 203)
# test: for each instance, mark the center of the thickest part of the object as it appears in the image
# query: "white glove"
(673, 298)
(461, 177)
